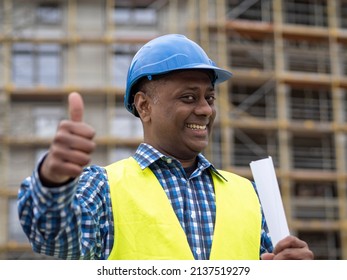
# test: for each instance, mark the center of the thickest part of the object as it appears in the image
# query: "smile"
(196, 126)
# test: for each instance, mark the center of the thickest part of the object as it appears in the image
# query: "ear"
(142, 105)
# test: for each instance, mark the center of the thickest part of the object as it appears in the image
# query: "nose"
(203, 108)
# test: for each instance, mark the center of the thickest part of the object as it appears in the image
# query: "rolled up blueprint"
(270, 198)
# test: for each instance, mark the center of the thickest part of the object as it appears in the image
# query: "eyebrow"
(211, 88)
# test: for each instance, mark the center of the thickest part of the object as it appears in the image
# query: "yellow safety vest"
(146, 227)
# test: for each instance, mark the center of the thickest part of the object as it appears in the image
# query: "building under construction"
(287, 98)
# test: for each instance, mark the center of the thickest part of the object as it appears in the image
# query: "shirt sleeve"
(69, 222)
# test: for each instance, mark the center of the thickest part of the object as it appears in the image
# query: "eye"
(210, 99)
(188, 98)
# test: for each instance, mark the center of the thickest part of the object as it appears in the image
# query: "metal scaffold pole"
(338, 120)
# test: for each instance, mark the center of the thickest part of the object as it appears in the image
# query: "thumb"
(76, 107)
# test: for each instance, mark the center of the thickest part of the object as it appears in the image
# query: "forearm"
(50, 218)
(63, 222)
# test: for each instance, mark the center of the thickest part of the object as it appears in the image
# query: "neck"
(188, 163)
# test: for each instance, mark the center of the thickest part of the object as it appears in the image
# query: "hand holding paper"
(265, 179)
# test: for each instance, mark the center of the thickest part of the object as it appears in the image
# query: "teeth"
(196, 126)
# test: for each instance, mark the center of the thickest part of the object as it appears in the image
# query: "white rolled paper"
(270, 198)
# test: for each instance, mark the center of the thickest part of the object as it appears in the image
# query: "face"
(180, 114)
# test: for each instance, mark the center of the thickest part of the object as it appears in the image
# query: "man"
(165, 202)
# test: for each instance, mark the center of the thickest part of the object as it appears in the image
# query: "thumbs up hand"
(71, 147)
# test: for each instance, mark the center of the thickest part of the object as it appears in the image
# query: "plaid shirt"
(76, 222)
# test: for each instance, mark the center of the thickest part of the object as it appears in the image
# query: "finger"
(76, 107)
(55, 171)
(77, 137)
(267, 256)
(289, 242)
(64, 171)
(75, 157)
(295, 254)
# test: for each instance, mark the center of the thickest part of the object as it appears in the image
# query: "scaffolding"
(287, 97)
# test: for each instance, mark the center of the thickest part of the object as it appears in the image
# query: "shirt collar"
(145, 155)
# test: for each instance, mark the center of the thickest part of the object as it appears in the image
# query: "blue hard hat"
(165, 54)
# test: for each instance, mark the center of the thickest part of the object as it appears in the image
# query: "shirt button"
(198, 251)
(192, 215)
(169, 160)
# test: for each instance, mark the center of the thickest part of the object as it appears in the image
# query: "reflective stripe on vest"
(146, 226)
